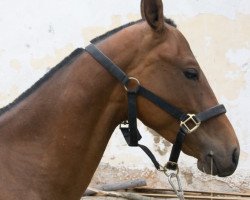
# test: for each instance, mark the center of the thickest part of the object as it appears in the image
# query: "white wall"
(36, 35)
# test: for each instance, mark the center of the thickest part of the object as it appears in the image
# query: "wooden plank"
(157, 190)
(126, 195)
(194, 196)
(118, 186)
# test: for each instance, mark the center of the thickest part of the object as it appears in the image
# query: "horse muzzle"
(218, 164)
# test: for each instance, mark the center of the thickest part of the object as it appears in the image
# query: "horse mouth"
(209, 166)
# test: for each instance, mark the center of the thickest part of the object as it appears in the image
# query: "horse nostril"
(235, 157)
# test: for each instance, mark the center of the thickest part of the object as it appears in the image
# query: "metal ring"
(167, 171)
(135, 79)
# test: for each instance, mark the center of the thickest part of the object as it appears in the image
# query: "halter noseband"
(188, 122)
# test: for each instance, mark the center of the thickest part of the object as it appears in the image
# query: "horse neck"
(65, 125)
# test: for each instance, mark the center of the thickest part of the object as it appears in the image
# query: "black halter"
(188, 122)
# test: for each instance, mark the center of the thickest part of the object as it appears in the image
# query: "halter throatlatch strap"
(188, 122)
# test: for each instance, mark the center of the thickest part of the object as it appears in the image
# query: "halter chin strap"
(188, 122)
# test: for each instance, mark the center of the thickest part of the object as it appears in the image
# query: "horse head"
(167, 66)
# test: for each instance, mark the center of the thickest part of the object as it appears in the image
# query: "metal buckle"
(124, 124)
(191, 123)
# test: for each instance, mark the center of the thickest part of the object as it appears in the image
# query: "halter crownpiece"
(188, 122)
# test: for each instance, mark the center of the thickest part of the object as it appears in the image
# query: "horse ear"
(142, 9)
(152, 11)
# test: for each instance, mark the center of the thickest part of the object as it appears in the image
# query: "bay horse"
(53, 136)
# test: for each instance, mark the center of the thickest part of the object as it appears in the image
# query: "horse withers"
(53, 136)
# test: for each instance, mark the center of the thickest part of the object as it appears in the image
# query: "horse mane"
(65, 62)
(68, 60)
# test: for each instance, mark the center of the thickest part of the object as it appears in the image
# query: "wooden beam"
(189, 192)
(118, 186)
(194, 196)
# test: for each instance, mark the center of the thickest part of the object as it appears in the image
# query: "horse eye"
(191, 73)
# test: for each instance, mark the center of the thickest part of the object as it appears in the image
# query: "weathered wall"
(36, 35)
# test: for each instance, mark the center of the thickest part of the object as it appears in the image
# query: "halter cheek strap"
(188, 122)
